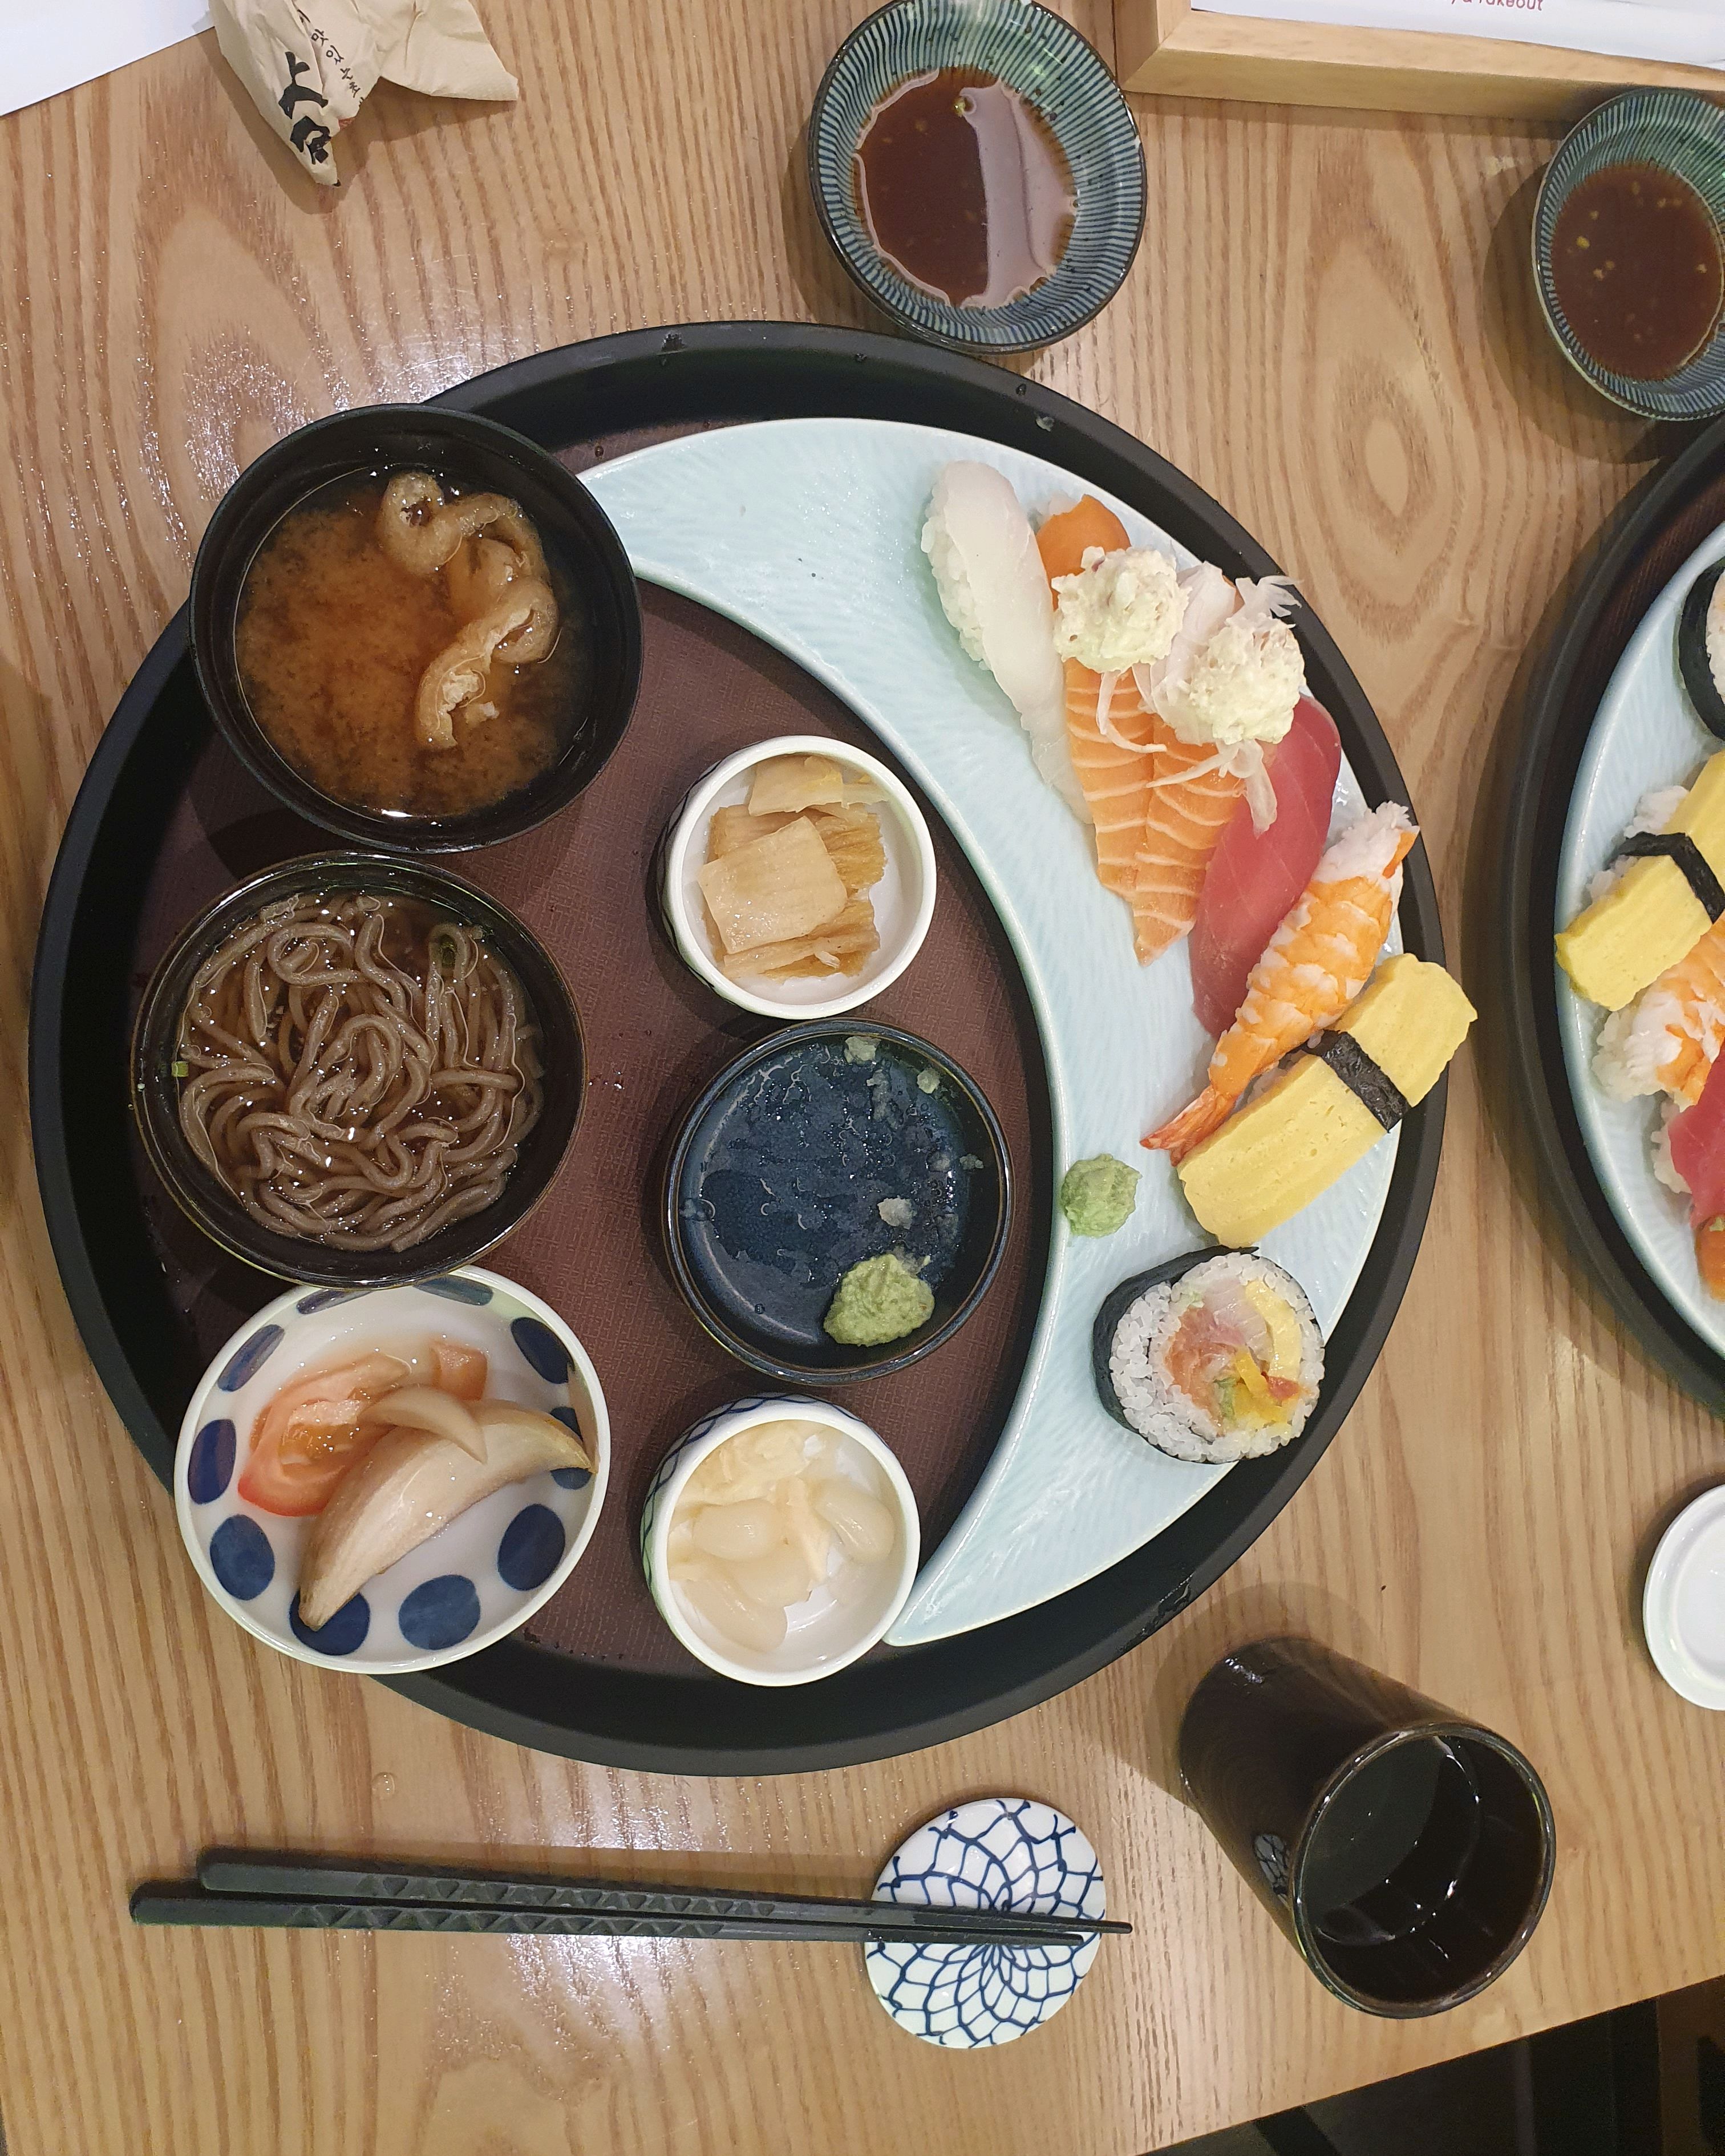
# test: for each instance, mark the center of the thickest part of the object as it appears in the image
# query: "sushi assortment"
(1648, 948)
(1168, 706)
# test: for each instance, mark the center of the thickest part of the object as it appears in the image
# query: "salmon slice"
(1063, 540)
(1116, 780)
(1183, 822)
(1152, 845)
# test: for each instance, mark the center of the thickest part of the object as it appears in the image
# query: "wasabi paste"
(879, 1300)
(1098, 1195)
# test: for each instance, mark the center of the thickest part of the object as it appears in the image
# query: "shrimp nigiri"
(1667, 1040)
(1316, 963)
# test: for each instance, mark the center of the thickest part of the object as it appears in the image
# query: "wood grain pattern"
(1329, 326)
(1170, 49)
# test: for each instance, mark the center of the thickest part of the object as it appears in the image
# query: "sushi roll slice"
(1700, 647)
(1213, 1357)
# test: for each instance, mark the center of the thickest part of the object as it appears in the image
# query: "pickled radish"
(735, 1616)
(781, 1577)
(737, 1532)
(864, 1528)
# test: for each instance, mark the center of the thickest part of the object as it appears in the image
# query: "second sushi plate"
(1647, 734)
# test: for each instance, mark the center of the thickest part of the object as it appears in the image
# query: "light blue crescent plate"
(807, 532)
(1645, 735)
(1007, 1853)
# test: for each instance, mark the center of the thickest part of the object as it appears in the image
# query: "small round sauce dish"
(836, 1202)
(1628, 252)
(977, 171)
(1683, 1603)
(469, 1584)
(901, 901)
(754, 1503)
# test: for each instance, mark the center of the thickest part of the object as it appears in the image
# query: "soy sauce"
(963, 187)
(1638, 270)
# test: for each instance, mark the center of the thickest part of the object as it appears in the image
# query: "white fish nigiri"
(994, 590)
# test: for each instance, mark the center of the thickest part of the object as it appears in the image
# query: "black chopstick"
(183, 1903)
(287, 1876)
(241, 1887)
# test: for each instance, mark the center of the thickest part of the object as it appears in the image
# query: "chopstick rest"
(998, 1851)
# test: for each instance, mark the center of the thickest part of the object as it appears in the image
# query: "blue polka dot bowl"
(825, 1633)
(487, 1571)
(1063, 77)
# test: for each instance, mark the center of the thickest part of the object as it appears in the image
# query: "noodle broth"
(358, 1070)
(331, 640)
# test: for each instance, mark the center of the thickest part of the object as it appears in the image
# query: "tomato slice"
(311, 1433)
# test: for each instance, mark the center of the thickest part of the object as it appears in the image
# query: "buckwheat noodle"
(359, 1070)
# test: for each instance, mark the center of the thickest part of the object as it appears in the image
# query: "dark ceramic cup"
(1405, 1851)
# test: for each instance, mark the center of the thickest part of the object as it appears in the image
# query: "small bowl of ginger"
(798, 878)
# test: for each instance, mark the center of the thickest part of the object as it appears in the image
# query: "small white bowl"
(903, 899)
(1683, 1603)
(824, 1635)
(466, 1588)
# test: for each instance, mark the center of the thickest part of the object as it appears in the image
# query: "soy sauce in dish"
(1638, 270)
(964, 188)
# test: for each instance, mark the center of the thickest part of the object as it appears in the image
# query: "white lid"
(1683, 1603)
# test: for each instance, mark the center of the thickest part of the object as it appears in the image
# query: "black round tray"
(675, 379)
(1658, 526)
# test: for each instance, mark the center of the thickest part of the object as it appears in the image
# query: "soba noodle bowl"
(358, 1070)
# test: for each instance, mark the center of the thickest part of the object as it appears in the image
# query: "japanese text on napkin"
(311, 63)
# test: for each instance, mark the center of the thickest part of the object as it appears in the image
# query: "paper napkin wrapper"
(311, 63)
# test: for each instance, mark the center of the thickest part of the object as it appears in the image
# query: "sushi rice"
(1241, 1310)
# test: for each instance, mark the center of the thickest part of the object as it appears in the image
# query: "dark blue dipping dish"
(777, 1179)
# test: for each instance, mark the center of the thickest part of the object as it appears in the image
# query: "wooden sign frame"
(1170, 49)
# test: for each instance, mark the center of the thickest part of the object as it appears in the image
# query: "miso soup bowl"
(820, 1639)
(476, 456)
(211, 1206)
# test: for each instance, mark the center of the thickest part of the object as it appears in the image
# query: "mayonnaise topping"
(1122, 609)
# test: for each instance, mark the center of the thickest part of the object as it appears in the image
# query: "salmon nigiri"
(1317, 962)
(1109, 728)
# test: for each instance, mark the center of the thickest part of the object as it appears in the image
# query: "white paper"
(53, 45)
(1680, 31)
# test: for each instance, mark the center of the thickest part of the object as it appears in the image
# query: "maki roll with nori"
(1700, 647)
(1213, 1358)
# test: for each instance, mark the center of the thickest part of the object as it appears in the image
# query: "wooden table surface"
(1330, 326)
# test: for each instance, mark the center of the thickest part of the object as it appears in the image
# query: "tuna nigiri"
(1317, 962)
(994, 591)
(1255, 876)
(1698, 1145)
